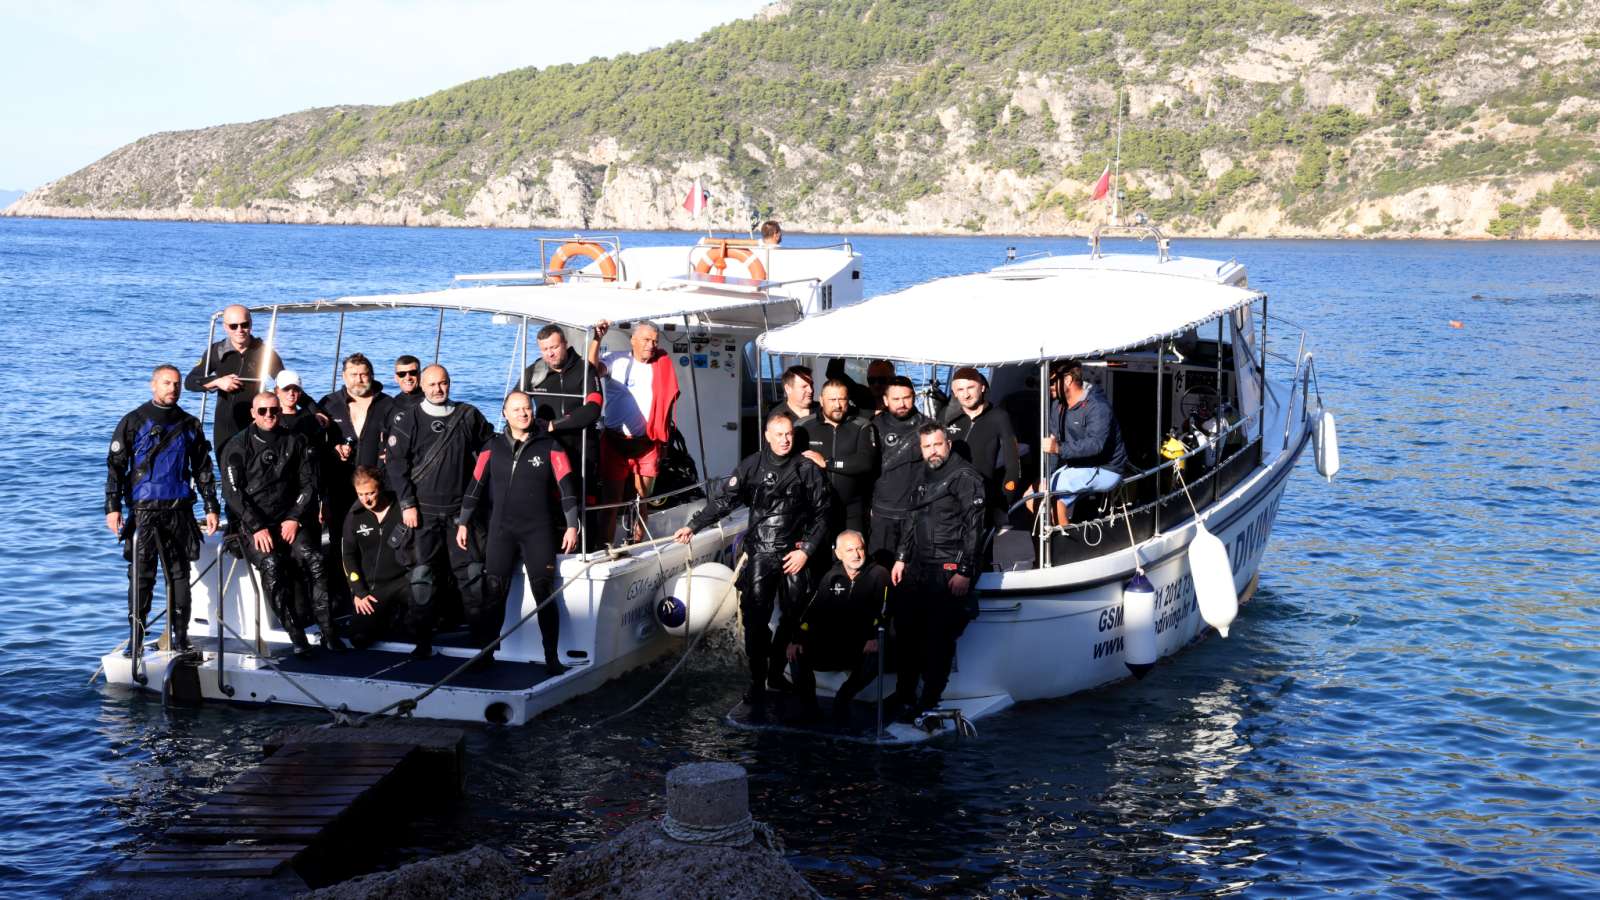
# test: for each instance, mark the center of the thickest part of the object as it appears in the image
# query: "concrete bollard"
(709, 797)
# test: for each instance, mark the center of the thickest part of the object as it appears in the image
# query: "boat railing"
(637, 508)
(1140, 229)
(610, 243)
(1201, 491)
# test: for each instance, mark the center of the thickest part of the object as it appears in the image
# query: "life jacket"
(160, 456)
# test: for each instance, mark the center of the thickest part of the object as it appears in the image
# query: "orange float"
(571, 249)
(719, 255)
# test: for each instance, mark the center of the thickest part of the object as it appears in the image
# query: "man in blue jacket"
(1084, 434)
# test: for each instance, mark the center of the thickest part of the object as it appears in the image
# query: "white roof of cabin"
(1048, 308)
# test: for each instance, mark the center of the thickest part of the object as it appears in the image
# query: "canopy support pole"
(694, 384)
(438, 336)
(1161, 371)
(1216, 412)
(583, 453)
(338, 344)
(1044, 465)
(522, 380)
(205, 360)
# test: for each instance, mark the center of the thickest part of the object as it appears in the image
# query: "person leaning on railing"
(1083, 432)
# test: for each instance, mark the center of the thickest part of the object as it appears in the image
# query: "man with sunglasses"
(232, 368)
(407, 382)
(269, 483)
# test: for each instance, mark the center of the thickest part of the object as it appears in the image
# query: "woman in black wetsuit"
(532, 492)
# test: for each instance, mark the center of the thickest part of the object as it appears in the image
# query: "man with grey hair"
(838, 630)
(641, 387)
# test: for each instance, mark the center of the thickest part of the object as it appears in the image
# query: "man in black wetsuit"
(982, 435)
(845, 445)
(358, 424)
(432, 449)
(157, 451)
(379, 588)
(569, 401)
(788, 501)
(407, 382)
(798, 395)
(899, 470)
(531, 490)
(233, 369)
(935, 565)
(269, 480)
(838, 630)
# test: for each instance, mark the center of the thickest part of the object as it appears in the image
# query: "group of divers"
(423, 502)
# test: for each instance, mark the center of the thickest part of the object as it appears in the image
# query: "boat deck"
(392, 666)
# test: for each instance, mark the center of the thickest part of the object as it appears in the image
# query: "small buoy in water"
(1455, 323)
(1326, 438)
(693, 599)
(1139, 625)
(1213, 580)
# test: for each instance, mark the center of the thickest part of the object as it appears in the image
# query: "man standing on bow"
(157, 452)
(433, 447)
(788, 501)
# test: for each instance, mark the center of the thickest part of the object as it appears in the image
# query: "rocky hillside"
(1428, 118)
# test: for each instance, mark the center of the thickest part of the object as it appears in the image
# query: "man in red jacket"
(640, 389)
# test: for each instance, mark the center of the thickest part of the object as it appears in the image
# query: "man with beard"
(788, 502)
(899, 470)
(234, 368)
(157, 452)
(358, 425)
(845, 446)
(935, 564)
(269, 480)
(982, 435)
(432, 449)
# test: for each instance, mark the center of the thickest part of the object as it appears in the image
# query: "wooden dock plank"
(234, 832)
(203, 868)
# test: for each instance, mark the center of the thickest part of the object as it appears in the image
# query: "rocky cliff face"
(1336, 121)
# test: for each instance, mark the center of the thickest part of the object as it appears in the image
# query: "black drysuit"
(900, 467)
(942, 540)
(572, 413)
(851, 451)
(373, 569)
(156, 453)
(531, 492)
(232, 411)
(842, 617)
(990, 444)
(788, 501)
(268, 478)
(366, 449)
(431, 459)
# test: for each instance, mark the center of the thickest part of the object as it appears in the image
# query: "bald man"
(232, 369)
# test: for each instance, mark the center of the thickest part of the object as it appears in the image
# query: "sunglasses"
(237, 326)
(267, 411)
(409, 373)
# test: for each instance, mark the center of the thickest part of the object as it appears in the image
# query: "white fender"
(1326, 437)
(1213, 580)
(692, 599)
(1139, 625)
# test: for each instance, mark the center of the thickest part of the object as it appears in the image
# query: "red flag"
(1103, 186)
(695, 202)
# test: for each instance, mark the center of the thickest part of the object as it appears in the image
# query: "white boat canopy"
(1046, 309)
(576, 305)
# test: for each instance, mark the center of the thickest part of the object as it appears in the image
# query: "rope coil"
(734, 834)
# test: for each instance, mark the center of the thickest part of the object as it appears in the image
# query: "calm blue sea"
(1408, 708)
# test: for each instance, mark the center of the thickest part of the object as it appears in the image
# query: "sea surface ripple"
(1408, 708)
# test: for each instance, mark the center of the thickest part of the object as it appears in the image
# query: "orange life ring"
(558, 262)
(719, 255)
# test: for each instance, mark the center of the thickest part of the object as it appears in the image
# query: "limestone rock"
(476, 874)
(642, 862)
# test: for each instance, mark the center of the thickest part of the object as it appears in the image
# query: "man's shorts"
(622, 457)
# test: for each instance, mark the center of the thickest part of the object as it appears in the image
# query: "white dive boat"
(709, 301)
(1174, 343)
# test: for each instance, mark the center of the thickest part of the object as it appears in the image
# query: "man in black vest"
(844, 444)
(358, 425)
(569, 400)
(235, 368)
(982, 435)
(157, 451)
(269, 480)
(433, 447)
(788, 501)
(935, 565)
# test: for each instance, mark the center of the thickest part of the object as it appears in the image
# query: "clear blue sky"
(80, 78)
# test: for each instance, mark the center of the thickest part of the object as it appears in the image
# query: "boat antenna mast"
(1116, 169)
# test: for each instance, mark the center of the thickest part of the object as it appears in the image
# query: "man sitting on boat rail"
(1084, 434)
(641, 387)
(432, 449)
(232, 367)
(788, 501)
